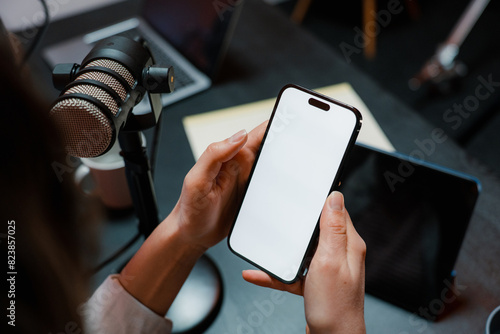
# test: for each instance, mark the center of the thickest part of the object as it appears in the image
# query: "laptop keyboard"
(163, 59)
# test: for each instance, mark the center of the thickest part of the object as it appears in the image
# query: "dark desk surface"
(267, 52)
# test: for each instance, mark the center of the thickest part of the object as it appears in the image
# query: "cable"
(39, 35)
(116, 254)
(154, 145)
(157, 131)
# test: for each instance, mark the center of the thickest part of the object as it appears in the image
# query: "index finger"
(209, 164)
(262, 279)
(255, 137)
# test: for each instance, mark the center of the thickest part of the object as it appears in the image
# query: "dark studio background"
(405, 44)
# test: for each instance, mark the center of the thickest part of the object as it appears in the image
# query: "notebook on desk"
(203, 129)
(190, 35)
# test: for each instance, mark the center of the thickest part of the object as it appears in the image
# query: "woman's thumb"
(333, 227)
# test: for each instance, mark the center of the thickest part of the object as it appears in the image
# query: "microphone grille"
(106, 79)
(115, 66)
(87, 132)
(97, 93)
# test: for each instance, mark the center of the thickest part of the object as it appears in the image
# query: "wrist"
(339, 329)
(172, 232)
(341, 324)
(160, 267)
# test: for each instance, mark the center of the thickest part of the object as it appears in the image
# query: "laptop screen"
(199, 29)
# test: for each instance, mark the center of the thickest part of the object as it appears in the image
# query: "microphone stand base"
(199, 300)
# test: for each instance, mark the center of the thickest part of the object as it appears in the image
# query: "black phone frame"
(306, 259)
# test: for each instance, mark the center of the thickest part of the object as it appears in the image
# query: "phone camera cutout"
(319, 104)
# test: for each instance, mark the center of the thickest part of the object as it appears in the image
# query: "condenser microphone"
(99, 95)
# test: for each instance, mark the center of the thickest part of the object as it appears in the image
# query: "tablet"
(413, 217)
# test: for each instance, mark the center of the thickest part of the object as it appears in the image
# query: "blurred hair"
(53, 225)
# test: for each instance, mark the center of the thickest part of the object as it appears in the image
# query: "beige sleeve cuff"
(111, 309)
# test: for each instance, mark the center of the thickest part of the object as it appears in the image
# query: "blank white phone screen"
(293, 176)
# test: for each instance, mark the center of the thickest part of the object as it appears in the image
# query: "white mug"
(493, 322)
(105, 177)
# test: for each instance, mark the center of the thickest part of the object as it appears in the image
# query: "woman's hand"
(200, 219)
(333, 289)
(212, 189)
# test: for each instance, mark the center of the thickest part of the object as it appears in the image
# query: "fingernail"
(237, 137)
(336, 201)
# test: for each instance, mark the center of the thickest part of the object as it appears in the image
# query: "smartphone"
(302, 153)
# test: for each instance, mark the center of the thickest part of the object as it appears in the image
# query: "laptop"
(190, 35)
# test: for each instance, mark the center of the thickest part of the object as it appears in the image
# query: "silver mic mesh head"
(106, 79)
(86, 131)
(97, 93)
(115, 66)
